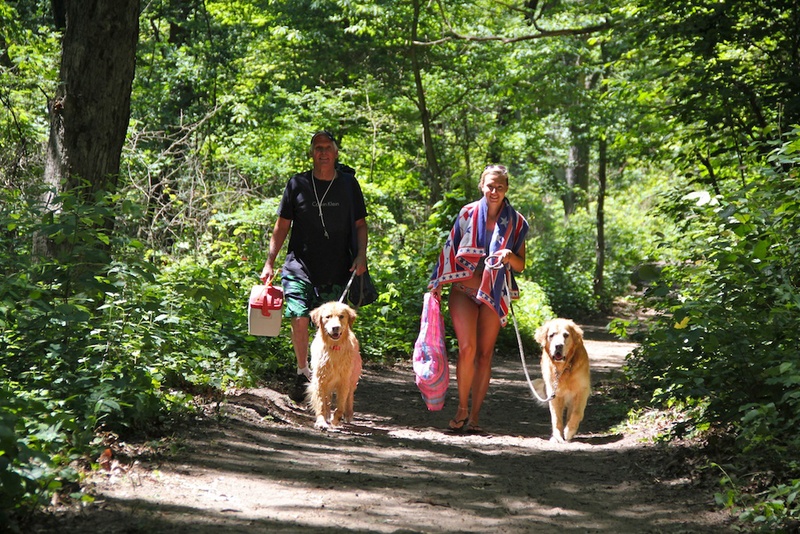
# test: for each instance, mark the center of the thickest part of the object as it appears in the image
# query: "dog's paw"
(321, 423)
(557, 439)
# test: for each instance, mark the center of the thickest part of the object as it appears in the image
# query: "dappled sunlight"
(397, 468)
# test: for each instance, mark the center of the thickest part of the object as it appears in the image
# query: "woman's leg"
(464, 313)
(488, 326)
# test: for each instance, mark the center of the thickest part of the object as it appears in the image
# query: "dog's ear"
(315, 316)
(579, 330)
(541, 335)
(576, 330)
(352, 314)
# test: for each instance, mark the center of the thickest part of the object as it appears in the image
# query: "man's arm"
(362, 236)
(279, 233)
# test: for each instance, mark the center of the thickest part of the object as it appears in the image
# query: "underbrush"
(723, 346)
(106, 335)
(103, 336)
(106, 338)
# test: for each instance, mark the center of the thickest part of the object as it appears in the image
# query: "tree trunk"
(600, 243)
(425, 116)
(91, 109)
(577, 172)
(579, 150)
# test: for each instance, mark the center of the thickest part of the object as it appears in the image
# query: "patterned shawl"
(467, 245)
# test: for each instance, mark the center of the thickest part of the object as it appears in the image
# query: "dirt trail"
(263, 468)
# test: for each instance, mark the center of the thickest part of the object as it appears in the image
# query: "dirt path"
(263, 468)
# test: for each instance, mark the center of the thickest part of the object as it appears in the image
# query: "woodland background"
(653, 146)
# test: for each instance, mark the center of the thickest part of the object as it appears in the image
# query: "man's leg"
(300, 344)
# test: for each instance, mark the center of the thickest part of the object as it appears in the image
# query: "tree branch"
(540, 33)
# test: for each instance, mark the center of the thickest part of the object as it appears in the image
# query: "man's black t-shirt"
(310, 254)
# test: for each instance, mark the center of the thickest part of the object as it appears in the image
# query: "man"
(324, 208)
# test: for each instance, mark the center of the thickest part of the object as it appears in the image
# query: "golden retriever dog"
(565, 371)
(335, 364)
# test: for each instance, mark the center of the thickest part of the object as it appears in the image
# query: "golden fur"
(565, 369)
(335, 364)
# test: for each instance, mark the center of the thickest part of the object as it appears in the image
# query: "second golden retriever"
(335, 364)
(565, 371)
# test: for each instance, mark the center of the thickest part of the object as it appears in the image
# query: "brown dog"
(335, 364)
(565, 370)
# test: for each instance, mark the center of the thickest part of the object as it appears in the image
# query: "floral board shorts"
(300, 296)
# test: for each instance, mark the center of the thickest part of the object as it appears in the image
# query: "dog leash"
(493, 262)
(347, 287)
(525, 367)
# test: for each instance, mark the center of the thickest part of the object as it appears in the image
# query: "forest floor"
(258, 465)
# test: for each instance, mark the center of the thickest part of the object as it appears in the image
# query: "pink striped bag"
(430, 358)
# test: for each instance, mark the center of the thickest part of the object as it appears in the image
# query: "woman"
(486, 243)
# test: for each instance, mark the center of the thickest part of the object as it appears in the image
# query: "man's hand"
(267, 274)
(359, 265)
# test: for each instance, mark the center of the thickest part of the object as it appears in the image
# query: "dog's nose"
(336, 329)
(559, 348)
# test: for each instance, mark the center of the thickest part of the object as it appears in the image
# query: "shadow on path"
(263, 468)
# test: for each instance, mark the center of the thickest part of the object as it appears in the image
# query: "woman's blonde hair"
(493, 169)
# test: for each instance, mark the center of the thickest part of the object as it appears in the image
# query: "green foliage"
(561, 263)
(28, 61)
(96, 338)
(731, 71)
(531, 311)
(727, 335)
(13, 455)
(119, 327)
(562, 252)
(207, 288)
(775, 509)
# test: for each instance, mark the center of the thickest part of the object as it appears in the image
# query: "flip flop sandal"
(475, 429)
(458, 425)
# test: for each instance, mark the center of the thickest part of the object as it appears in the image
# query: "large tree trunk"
(91, 109)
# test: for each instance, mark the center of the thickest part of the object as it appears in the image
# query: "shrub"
(728, 329)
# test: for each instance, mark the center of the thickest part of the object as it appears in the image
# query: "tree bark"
(91, 109)
(577, 172)
(427, 136)
(600, 242)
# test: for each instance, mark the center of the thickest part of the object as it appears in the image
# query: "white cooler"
(265, 309)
